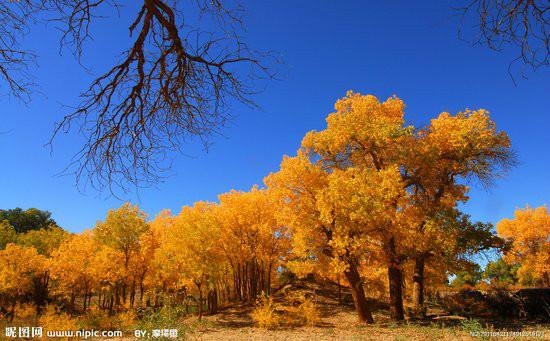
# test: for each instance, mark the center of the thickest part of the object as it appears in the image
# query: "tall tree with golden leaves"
(71, 267)
(19, 267)
(434, 163)
(368, 135)
(121, 231)
(320, 209)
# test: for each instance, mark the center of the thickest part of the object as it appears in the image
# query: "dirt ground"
(339, 322)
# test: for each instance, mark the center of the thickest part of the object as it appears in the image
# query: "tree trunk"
(395, 277)
(339, 290)
(111, 303)
(228, 292)
(546, 279)
(269, 278)
(396, 293)
(212, 301)
(199, 286)
(40, 292)
(141, 293)
(71, 302)
(132, 293)
(12, 311)
(359, 300)
(117, 295)
(124, 293)
(418, 286)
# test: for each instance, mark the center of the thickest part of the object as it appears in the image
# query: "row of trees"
(368, 196)
(211, 253)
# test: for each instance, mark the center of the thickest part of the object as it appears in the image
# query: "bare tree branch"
(172, 84)
(522, 24)
(15, 17)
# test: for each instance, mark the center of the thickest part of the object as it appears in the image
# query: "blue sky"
(409, 49)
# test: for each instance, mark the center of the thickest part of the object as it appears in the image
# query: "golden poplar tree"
(20, 267)
(190, 256)
(322, 235)
(529, 232)
(251, 239)
(72, 268)
(122, 231)
(433, 165)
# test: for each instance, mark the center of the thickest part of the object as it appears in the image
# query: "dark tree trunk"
(71, 302)
(546, 279)
(141, 293)
(12, 311)
(117, 296)
(418, 286)
(40, 292)
(199, 287)
(212, 301)
(396, 293)
(228, 292)
(124, 293)
(358, 293)
(339, 290)
(269, 278)
(395, 277)
(111, 303)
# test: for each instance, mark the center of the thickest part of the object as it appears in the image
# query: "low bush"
(264, 313)
(307, 311)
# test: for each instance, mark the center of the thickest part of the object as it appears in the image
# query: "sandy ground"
(339, 322)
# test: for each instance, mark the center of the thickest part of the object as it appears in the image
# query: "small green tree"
(468, 277)
(7, 234)
(499, 273)
(27, 220)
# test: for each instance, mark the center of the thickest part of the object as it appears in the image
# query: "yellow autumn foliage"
(529, 232)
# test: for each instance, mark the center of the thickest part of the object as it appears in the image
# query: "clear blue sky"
(405, 48)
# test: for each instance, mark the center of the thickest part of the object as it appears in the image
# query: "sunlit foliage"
(370, 202)
(529, 232)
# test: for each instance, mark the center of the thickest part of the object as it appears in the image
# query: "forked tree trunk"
(395, 278)
(359, 300)
(418, 286)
